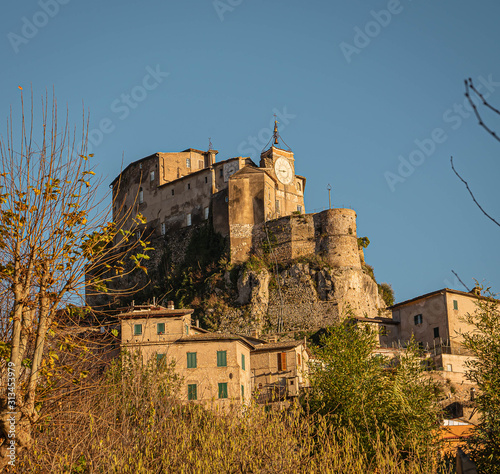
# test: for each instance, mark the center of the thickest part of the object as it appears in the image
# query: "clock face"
(283, 170)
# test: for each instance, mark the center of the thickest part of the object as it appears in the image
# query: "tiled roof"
(272, 346)
(437, 292)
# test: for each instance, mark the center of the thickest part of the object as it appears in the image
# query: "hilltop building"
(181, 189)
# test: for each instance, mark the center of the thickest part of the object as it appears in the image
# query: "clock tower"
(279, 161)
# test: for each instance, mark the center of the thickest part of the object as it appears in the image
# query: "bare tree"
(52, 233)
(470, 92)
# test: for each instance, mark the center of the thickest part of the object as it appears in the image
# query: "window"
(140, 166)
(160, 359)
(206, 211)
(417, 319)
(298, 360)
(186, 327)
(221, 172)
(455, 304)
(221, 359)
(137, 329)
(282, 361)
(163, 228)
(138, 235)
(223, 390)
(242, 391)
(206, 179)
(299, 209)
(141, 196)
(188, 220)
(160, 328)
(277, 206)
(192, 391)
(436, 332)
(152, 176)
(260, 386)
(243, 361)
(188, 162)
(189, 185)
(173, 192)
(201, 164)
(191, 360)
(298, 186)
(449, 368)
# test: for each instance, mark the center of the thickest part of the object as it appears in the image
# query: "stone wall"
(330, 235)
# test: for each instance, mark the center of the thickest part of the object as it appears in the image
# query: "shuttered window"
(191, 360)
(160, 328)
(282, 361)
(137, 329)
(242, 391)
(243, 361)
(223, 390)
(192, 391)
(221, 359)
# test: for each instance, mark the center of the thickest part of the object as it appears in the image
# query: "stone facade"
(181, 189)
(217, 369)
(435, 319)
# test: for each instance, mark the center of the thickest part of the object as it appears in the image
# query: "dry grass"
(132, 423)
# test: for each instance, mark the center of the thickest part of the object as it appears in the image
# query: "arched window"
(141, 196)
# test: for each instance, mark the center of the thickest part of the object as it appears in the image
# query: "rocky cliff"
(305, 272)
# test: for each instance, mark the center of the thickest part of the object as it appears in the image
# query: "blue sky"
(362, 89)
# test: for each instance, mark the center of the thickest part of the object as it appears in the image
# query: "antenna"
(329, 196)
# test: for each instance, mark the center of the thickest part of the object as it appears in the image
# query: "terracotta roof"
(377, 320)
(154, 312)
(273, 346)
(437, 292)
(212, 337)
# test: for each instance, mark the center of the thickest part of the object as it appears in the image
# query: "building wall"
(437, 312)
(456, 325)
(266, 374)
(330, 234)
(207, 375)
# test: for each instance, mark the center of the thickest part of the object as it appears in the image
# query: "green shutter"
(137, 329)
(192, 391)
(242, 391)
(160, 328)
(243, 361)
(221, 359)
(455, 304)
(191, 360)
(160, 359)
(223, 390)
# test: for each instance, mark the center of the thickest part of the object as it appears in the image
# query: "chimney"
(255, 333)
(197, 323)
(170, 305)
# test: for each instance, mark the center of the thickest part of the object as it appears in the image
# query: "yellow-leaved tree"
(52, 235)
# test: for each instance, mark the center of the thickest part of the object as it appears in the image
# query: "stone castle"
(256, 208)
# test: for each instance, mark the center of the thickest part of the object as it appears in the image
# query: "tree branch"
(472, 195)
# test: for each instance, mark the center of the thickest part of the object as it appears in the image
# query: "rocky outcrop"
(302, 297)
